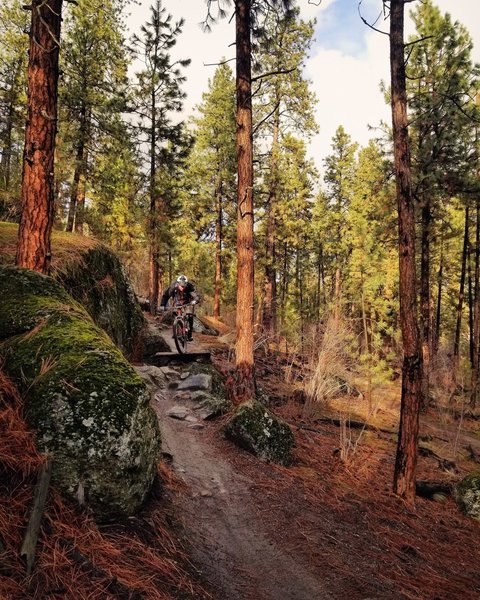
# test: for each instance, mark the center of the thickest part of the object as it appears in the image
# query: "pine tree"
(211, 170)
(93, 90)
(247, 16)
(159, 92)
(372, 271)
(406, 458)
(116, 213)
(339, 177)
(13, 59)
(441, 84)
(283, 103)
(294, 234)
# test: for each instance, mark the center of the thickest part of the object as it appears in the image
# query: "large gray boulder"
(467, 495)
(257, 430)
(89, 408)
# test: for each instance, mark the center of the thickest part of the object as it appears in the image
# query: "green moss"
(467, 495)
(257, 430)
(95, 277)
(88, 406)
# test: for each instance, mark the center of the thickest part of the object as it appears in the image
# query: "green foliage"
(284, 91)
(159, 94)
(13, 59)
(116, 212)
(209, 194)
(442, 84)
(92, 93)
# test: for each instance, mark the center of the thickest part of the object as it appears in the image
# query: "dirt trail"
(231, 548)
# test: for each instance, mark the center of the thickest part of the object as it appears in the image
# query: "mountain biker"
(182, 292)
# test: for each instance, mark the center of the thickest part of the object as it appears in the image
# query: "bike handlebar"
(166, 308)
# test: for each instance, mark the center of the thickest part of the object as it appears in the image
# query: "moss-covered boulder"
(467, 495)
(257, 430)
(94, 276)
(88, 407)
(99, 282)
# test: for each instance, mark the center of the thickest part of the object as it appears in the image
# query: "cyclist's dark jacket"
(179, 297)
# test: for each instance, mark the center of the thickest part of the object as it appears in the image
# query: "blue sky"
(347, 60)
(340, 28)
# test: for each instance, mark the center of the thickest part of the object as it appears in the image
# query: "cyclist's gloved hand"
(193, 302)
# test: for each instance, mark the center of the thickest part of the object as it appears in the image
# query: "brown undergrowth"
(77, 558)
(343, 520)
(349, 529)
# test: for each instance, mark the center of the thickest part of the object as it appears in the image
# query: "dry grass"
(330, 369)
(68, 249)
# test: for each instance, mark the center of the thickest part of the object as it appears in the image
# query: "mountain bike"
(180, 327)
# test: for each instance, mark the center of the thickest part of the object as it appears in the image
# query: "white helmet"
(182, 280)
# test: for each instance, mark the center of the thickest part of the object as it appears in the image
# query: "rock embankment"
(88, 407)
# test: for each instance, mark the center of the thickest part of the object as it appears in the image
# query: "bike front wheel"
(180, 336)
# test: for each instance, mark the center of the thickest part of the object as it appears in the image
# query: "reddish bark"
(461, 291)
(38, 191)
(476, 315)
(406, 458)
(245, 250)
(218, 251)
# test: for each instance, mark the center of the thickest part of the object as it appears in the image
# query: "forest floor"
(220, 524)
(329, 526)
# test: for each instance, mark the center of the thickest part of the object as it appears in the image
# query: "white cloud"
(349, 93)
(347, 85)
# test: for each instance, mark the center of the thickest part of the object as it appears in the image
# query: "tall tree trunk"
(320, 281)
(476, 313)
(245, 257)
(406, 457)
(461, 291)
(299, 295)
(284, 288)
(38, 192)
(470, 309)
(154, 253)
(438, 314)
(79, 169)
(337, 293)
(269, 316)
(82, 190)
(367, 349)
(425, 315)
(218, 251)
(5, 162)
(12, 96)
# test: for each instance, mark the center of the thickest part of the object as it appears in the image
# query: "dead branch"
(30, 538)
(279, 72)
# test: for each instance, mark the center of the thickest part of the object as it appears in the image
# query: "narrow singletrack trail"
(230, 546)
